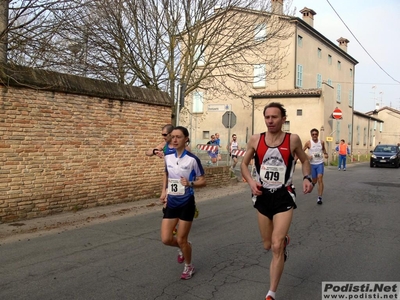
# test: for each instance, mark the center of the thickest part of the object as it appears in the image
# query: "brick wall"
(68, 143)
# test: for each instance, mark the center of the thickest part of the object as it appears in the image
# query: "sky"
(376, 26)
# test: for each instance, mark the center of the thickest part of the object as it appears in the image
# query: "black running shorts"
(185, 212)
(271, 203)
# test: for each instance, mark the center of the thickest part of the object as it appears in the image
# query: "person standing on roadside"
(316, 154)
(183, 173)
(232, 147)
(343, 150)
(274, 153)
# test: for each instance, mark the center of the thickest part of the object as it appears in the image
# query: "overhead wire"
(366, 51)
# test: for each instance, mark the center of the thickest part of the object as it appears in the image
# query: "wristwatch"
(191, 183)
(308, 177)
(155, 151)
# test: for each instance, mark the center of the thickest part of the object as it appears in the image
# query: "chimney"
(277, 7)
(343, 43)
(308, 16)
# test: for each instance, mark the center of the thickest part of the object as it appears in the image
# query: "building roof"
(289, 93)
(323, 38)
(300, 22)
(366, 116)
(375, 111)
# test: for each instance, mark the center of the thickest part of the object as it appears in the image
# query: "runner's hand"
(307, 187)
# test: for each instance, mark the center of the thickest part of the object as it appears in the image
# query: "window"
(350, 128)
(319, 53)
(299, 81)
(365, 136)
(299, 112)
(319, 81)
(330, 82)
(338, 131)
(358, 135)
(198, 102)
(329, 59)
(351, 98)
(199, 56)
(339, 93)
(206, 135)
(260, 32)
(380, 126)
(286, 126)
(370, 137)
(375, 125)
(300, 41)
(339, 65)
(259, 75)
(351, 73)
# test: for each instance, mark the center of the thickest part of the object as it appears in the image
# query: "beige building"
(367, 133)
(390, 131)
(317, 79)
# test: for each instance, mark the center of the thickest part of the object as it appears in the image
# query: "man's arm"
(306, 146)
(295, 144)
(324, 150)
(156, 150)
(244, 166)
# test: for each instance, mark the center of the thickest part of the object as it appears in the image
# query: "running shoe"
(175, 231)
(180, 258)
(285, 250)
(269, 298)
(196, 212)
(319, 201)
(188, 272)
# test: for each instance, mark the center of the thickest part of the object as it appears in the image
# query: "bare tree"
(29, 29)
(158, 43)
(151, 43)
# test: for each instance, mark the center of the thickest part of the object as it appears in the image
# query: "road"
(353, 236)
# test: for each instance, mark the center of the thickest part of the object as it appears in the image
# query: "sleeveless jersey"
(316, 152)
(167, 149)
(274, 165)
(234, 146)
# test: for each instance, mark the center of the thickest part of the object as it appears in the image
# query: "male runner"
(274, 153)
(316, 154)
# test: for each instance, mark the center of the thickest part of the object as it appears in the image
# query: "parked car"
(385, 155)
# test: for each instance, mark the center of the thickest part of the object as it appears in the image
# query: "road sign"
(218, 107)
(229, 119)
(337, 113)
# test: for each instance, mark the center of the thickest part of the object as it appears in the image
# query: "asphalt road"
(353, 236)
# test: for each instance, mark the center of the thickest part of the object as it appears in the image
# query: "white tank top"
(316, 152)
(234, 146)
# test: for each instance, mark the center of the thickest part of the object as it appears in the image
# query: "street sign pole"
(229, 137)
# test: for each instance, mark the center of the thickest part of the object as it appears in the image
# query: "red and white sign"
(207, 147)
(337, 113)
(239, 152)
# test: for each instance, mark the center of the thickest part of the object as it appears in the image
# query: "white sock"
(271, 293)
